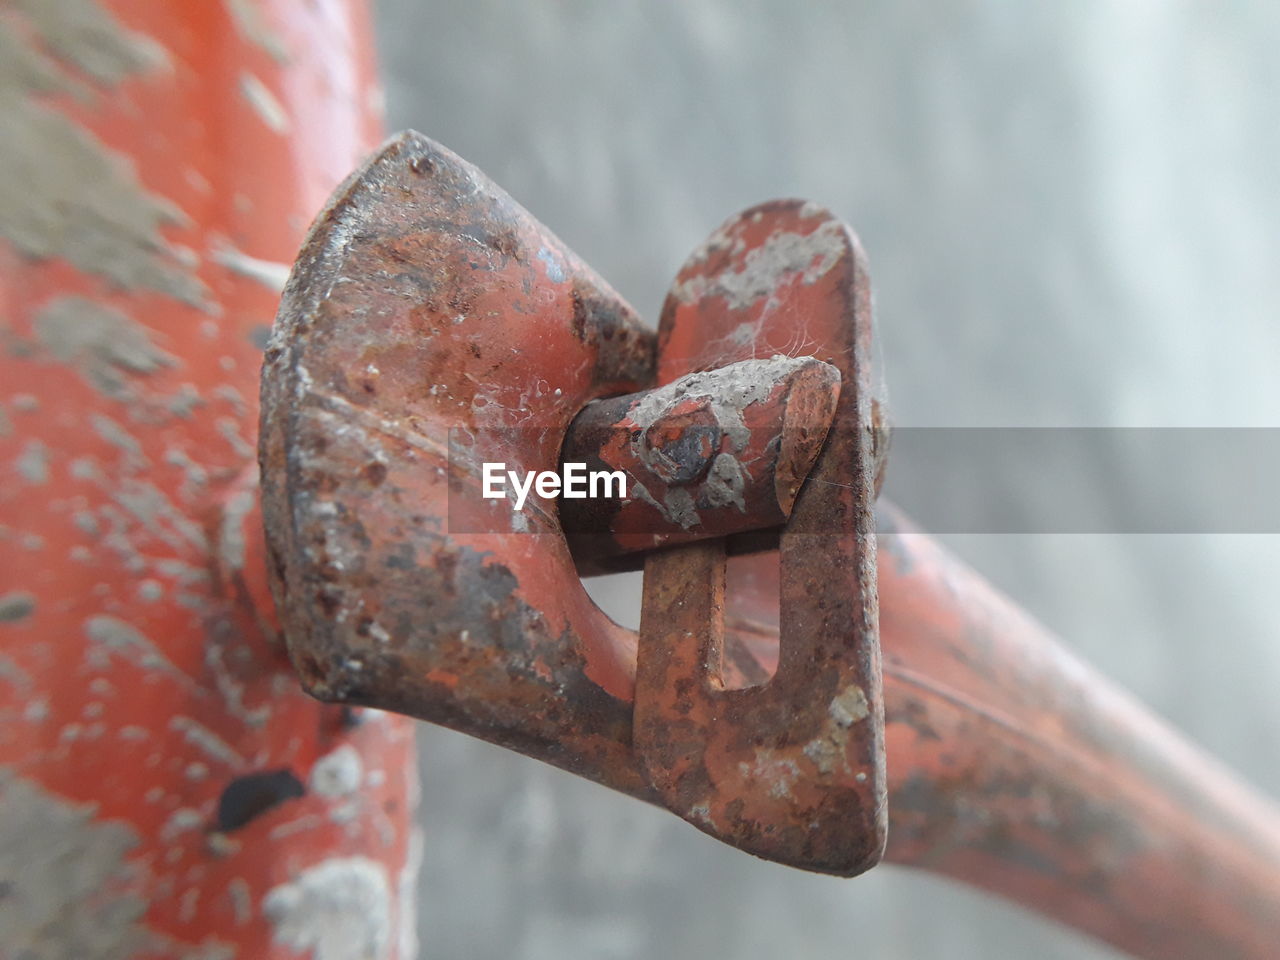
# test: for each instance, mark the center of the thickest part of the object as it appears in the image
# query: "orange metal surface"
(166, 790)
(1015, 767)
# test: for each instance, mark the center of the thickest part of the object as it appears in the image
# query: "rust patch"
(793, 769)
(708, 455)
(428, 320)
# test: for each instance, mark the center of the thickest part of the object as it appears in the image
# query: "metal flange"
(432, 325)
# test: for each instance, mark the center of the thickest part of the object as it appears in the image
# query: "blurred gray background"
(1073, 218)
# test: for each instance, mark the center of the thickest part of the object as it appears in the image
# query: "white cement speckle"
(339, 909)
(337, 773)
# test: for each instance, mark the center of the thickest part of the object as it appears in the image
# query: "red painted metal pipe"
(1016, 768)
(166, 790)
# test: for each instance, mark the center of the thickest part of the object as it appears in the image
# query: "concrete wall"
(1071, 212)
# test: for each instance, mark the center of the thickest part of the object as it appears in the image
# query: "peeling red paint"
(147, 675)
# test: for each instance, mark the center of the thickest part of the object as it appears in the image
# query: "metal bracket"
(792, 770)
(431, 325)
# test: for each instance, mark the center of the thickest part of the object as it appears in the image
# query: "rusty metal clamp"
(793, 769)
(432, 325)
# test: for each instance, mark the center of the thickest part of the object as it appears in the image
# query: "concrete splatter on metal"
(231, 546)
(81, 35)
(793, 256)
(69, 890)
(105, 345)
(407, 892)
(63, 194)
(270, 274)
(205, 740)
(110, 636)
(183, 820)
(338, 773)
(339, 909)
(132, 458)
(33, 463)
(251, 22)
(264, 103)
